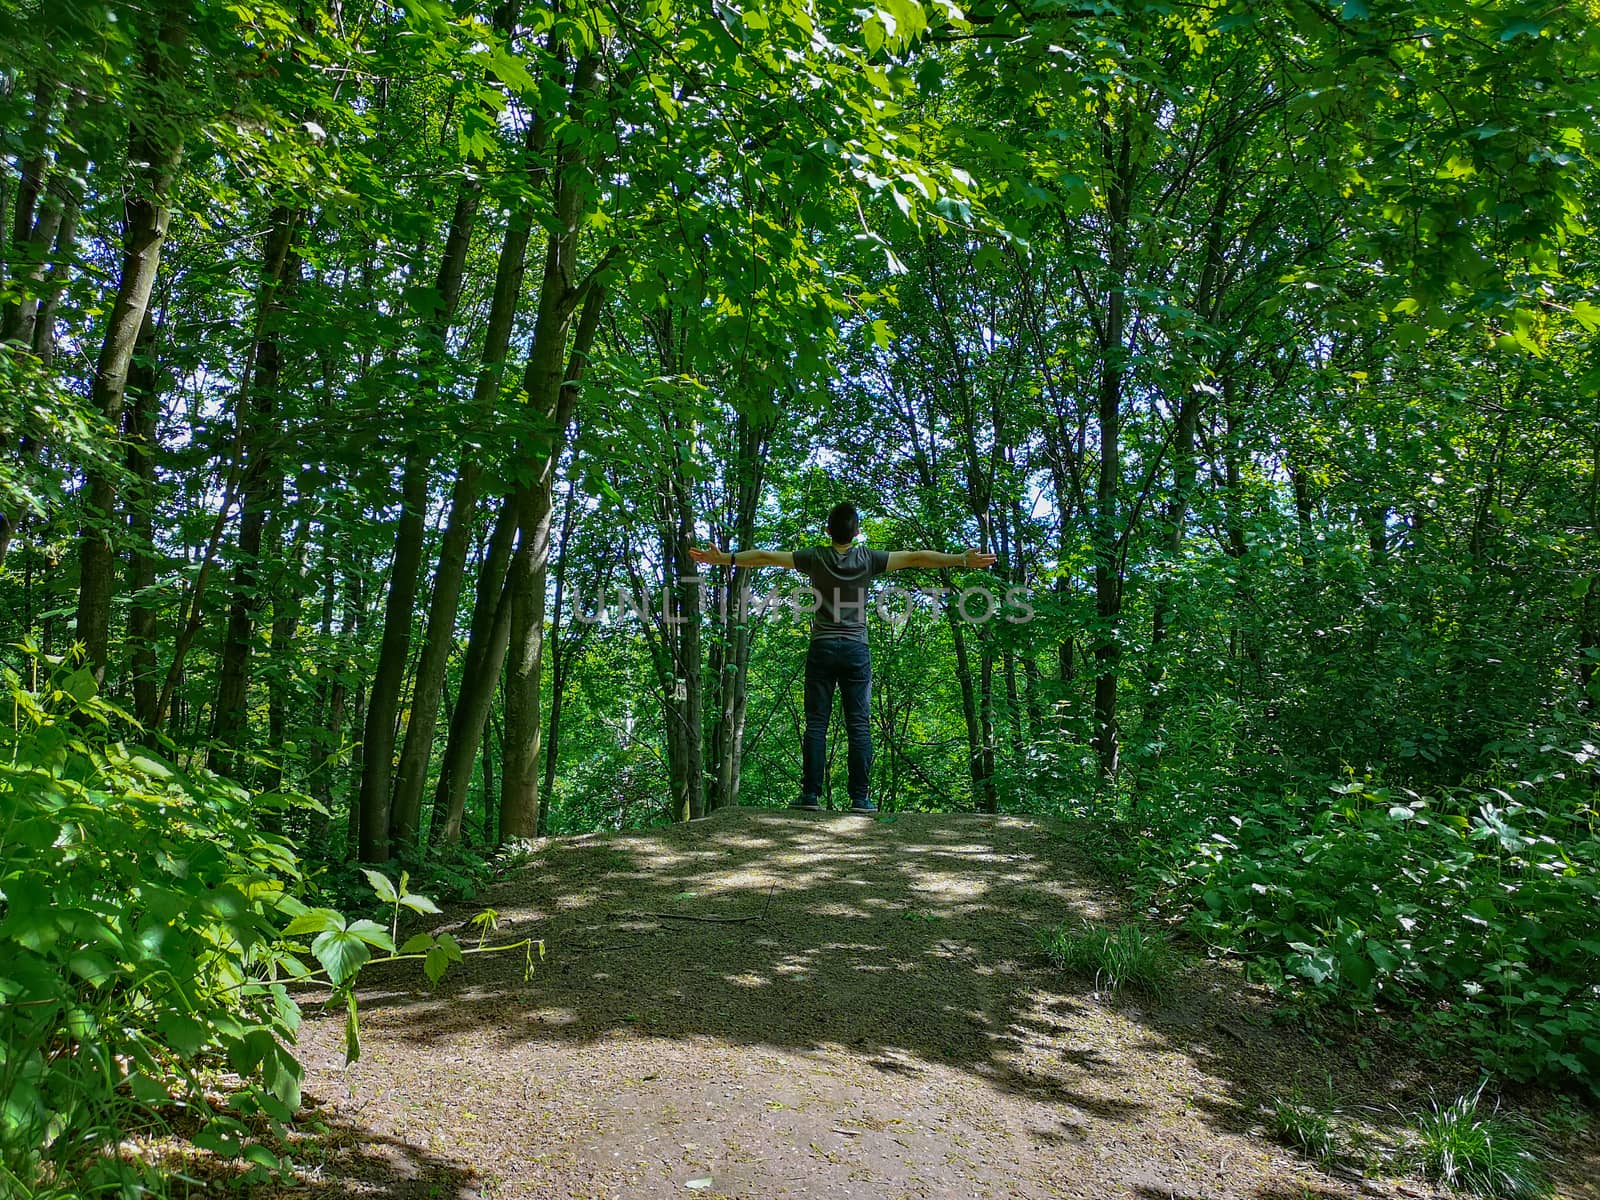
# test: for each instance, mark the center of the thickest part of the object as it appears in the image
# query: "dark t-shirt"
(841, 582)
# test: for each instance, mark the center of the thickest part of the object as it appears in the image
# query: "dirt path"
(886, 1028)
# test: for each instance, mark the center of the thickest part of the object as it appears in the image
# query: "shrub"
(149, 933)
(1472, 911)
(140, 908)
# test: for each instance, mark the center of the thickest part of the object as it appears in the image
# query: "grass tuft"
(1129, 957)
(1478, 1152)
(1307, 1129)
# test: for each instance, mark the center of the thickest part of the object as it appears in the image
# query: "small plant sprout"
(344, 947)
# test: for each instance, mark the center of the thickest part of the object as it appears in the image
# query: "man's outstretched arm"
(899, 560)
(747, 558)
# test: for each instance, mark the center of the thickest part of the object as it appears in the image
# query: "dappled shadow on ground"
(337, 1159)
(911, 940)
(355, 1164)
(908, 945)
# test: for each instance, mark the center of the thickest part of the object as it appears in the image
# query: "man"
(839, 657)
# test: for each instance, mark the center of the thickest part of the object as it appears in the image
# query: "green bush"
(1473, 910)
(140, 946)
(149, 933)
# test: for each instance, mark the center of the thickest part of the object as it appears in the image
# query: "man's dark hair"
(843, 523)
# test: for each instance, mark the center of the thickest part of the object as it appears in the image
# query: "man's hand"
(713, 556)
(977, 559)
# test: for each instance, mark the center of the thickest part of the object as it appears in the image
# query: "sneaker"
(807, 804)
(863, 806)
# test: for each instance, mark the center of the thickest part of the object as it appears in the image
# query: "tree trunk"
(1108, 481)
(1589, 604)
(559, 655)
(143, 407)
(480, 676)
(155, 148)
(730, 656)
(520, 808)
(288, 599)
(1183, 480)
(258, 488)
(440, 637)
(686, 766)
(394, 649)
(969, 702)
(46, 223)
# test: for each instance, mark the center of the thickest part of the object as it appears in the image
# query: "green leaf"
(182, 1033)
(352, 1029)
(218, 1143)
(381, 884)
(316, 920)
(451, 946)
(341, 954)
(373, 934)
(418, 903)
(1357, 970)
(1588, 314)
(417, 943)
(1383, 958)
(436, 964)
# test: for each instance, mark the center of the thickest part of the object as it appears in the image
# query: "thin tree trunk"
(394, 650)
(480, 676)
(1108, 481)
(155, 148)
(41, 250)
(1589, 605)
(327, 721)
(1183, 480)
(288, 600)
(258, 488)
(730, 660)
(969, 700)
(140, 432)
(491, 797)
(559, 654)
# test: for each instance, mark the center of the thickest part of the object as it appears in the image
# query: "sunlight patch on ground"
(954, 887)
(835, 908)
(553, 1016)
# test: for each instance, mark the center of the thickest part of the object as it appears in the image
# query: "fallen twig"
(710, 920)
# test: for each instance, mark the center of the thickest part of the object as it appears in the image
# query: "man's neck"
(841, 549)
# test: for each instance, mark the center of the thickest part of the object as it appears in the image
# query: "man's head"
(843, 523)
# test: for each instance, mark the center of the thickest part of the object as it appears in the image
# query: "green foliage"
(141, 944)
(1129, 957)
(150, 931)
(1470, 910)
(1460, 1145)
(1466, 912)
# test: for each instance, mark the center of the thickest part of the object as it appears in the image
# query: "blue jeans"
(846, 664)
